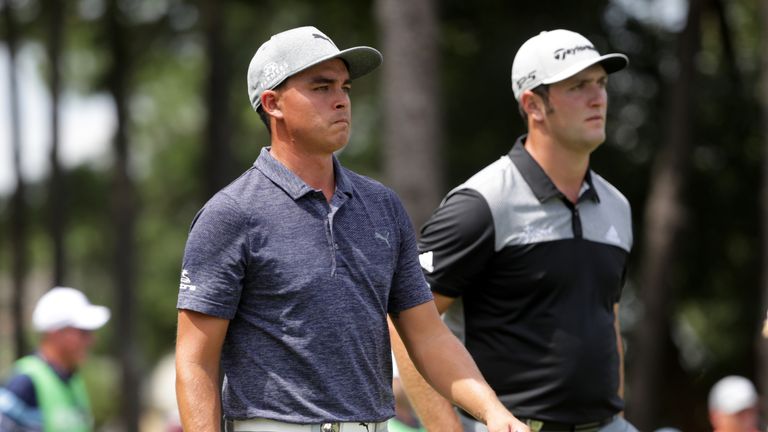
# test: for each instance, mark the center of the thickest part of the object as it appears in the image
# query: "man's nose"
(599, 96)
(342, 99)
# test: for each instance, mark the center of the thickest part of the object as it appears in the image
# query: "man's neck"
(564, 166)
(316, 170)
(53, 357)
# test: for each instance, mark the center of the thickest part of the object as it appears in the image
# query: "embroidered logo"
(272, 73)
(562, 53)
(524, 79)
(612, 236)
(425, 260)
(531, 234)
(382, 238)
(186, 282)
(319, 36)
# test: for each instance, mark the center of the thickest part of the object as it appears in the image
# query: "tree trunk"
(763, 95)
(730, 59)
(124, 214)
(664, 216)
(19, 203)
(57, 211)
(412, 139)
(218, 158)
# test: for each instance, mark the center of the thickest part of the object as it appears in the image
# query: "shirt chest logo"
(381, 237)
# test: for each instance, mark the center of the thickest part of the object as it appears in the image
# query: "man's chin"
(595, 140)
(339, 145)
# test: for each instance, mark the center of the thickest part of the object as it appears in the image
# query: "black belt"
(551, 426)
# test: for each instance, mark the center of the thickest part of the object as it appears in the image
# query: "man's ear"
(270, 103)
(532, 105)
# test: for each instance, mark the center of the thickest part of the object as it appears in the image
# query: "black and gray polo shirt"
(536, 279)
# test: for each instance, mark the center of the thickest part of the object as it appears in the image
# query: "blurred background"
(120, 118)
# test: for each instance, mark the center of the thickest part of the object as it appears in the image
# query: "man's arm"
(447, 366)
(19, 411)
(198, 351)
(619, 347)
(435, 412)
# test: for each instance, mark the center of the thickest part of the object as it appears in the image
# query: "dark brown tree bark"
(412, 138)
(57, 210)
(218, 157)
(664, 217)
(763, 341)
(729, 50)
(124, 211)
(18, 235)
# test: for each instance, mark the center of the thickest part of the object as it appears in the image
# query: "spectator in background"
(45, 391)
(733, 405)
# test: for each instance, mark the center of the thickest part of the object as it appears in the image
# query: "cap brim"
(92, 318)
(610, 62)
(359, 60)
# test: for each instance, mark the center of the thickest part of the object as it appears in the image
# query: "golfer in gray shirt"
(290, 272)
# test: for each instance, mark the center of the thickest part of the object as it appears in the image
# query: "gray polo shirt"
(536, 278)
(307, 287)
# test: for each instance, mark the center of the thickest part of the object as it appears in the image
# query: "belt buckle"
(330, 427)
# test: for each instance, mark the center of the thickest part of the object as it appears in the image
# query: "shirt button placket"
(332, 245)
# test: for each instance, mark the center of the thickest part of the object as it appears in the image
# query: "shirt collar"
(290, 182)
(540, 183)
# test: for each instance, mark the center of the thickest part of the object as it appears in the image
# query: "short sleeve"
(215, 259)
(457, 242)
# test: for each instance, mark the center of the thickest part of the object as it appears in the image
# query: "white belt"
(266, 425)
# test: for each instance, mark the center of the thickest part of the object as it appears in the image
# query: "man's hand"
(502, 420)
(446, 365)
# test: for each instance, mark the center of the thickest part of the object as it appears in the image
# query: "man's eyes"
(324, 88)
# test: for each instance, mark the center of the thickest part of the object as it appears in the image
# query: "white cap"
(290, 52)
(552, 56)
(67, 307)
(732, 394)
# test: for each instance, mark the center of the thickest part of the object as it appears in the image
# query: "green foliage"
(716, 273)
(101, 376)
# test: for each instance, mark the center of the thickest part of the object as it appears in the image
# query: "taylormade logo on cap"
(552, 56)
(292, 51)
(562, 53)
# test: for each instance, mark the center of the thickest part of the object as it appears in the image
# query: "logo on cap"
(271, 73)
(562, 53)
(319, 36)
(524, 79)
